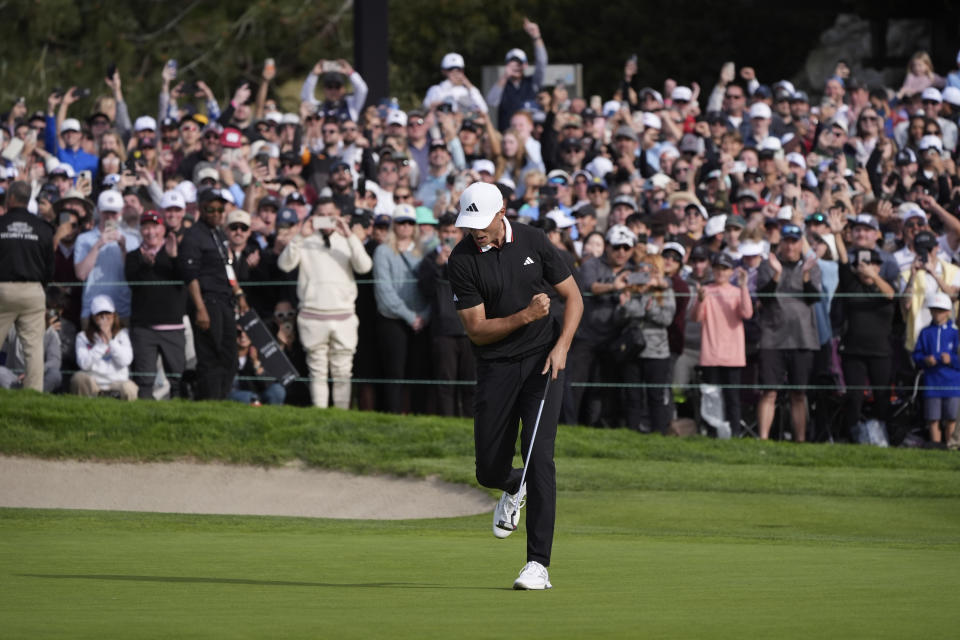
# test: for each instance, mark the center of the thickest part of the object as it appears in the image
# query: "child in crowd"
(936, 354)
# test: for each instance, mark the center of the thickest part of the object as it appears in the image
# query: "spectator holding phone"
(721, 309)
(67, 146)
(328, 253)
(98, 257)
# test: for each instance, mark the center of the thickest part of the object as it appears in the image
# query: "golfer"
(500, 274)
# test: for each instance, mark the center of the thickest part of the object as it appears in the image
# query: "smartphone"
(269, 64)
(322, 223)
(638, 278)
(863, 256)
(172, 65)
(65, 218)
(892, 180)
(13, 149)
(85, 175)
(739, 166)
(450, 242)
(111, 71)
(110, 225)
(329, 66)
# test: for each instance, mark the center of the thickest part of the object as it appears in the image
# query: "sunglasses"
(402, 196)
(596, 190)
(213, 209)
(284, 315)
(348, 129)
(211, 136)
(622, 247)
(415, 121)
(332, 85)
(410, 222)
(330, 132)
(238, 226)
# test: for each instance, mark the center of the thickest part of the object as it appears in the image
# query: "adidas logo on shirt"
(529, 260)
(472, 208)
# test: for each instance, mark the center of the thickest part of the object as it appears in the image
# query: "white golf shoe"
(506, 516)
(532, 577)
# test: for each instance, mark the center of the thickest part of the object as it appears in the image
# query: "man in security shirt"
(500, 274)
(26, 266)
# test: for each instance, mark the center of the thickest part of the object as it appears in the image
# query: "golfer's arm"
(572, 310)
(482, 330)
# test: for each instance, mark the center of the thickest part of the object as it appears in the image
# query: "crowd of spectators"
(757, 238)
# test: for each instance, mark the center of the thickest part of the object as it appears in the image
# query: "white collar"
(507, 238)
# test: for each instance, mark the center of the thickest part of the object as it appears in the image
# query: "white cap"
(952, 95)
(938, 300)
(652, 120)
(785, 213)
(682, 93)
(227, 196)
(290, 118)
(484, 165)
(771, 143)
(667, 149)
(660, 180)
(102, 304)
(610, 107)
(188, 190)
(931, 142)
(70, 124)
(516, 53)
(60, 167)
(599, 166)
(110, 200)
(931, 93)
(909, 210)
(674, 246)
(452, 61)
(273, 116)
(750, 248)
(145, 123)
(397, 117)
(172, 199)
(715, 225)
(797, 159)
(620, 234)
(207, 173)
(479, 204)
(760, 110)
(262, 146)
(841, 122)
(563, 220)
(507, 182)
(404, 211)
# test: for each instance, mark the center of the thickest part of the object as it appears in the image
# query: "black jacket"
(26, 248)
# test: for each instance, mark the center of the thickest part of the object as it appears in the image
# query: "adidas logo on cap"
(472, 208)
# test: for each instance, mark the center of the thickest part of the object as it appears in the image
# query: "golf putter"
(533, 437)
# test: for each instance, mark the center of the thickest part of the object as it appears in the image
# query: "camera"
(80, 94)
(134, 160)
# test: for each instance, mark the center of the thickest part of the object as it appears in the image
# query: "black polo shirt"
(26, 248)
(503, 281)
(203, 257)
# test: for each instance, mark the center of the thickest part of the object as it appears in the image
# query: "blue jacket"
(934, 340)
(80, 160)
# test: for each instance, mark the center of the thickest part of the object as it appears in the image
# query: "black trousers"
(216, 349)
(509, 393)
(404, 355)
(453, 360)
(654, 372)
(724, 376)
(147, 343)
(580, 364)
(860, 371)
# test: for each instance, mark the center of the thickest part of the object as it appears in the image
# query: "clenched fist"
(538, 308)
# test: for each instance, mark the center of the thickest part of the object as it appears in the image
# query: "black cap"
(723, 260)
(268, 201)
(209, 195)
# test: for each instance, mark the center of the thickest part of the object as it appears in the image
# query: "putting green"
(626, 564)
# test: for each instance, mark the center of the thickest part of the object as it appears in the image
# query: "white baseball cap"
(760, 110)
(188, 190)
(110, 200)
(600, 166)
(938, 300)
(563, 220)
(483, 164)
(785, 213)
(404, 211)
(145, 123)
(70, 124)
(675, 247)
(715, 225)
(102, 304)
(516, 54)
(621, 234)
(952, 95)
(397, 117)
(479, 204)
(750, 248)
(652, 120)
(931, 93)
(452, 61)
(290, 118)
(172, 199)
(682, 93)
(931, 142)
(797, 159)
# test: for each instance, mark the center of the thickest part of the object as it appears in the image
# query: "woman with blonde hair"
(512, 161)
(649, 304)
(403, 312)
(920, 75)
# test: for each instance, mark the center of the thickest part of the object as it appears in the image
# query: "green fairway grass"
(656, 537)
